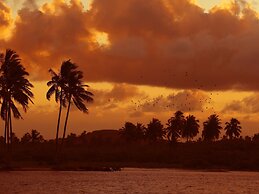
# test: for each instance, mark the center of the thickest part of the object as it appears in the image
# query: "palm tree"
(140, 131)
(132, 132)
(191, 128)
(175, 126)
(75, 91)
(33, 137)
(155, 130)
(14, 87)
(36, 137)
(211, 128)
(233, 128)
(71, 139)
(26, 138)
(128, 131)
(57, 85)
(15, 139)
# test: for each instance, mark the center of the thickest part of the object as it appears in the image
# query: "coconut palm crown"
(15, 88)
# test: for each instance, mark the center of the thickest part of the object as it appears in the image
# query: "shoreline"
(117, 168)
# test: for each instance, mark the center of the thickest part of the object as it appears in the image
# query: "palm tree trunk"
(65, 126)
(57, 131)
(7, 128)
(5, 132)
(11, 128)
(5, 136)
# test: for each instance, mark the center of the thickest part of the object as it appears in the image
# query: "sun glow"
(100, 38)
(238, 8)
(5, 34)
(43, 53)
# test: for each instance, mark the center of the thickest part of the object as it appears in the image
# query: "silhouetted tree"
(2, 140)
(14, 87)
(155, 131)
(33, 137)
(71, 139)
(224, 137)
(175, 126)
(132, 132)
(68, 87)
(256, 137)
(57, 86)
(211, 128)
(75, 91)
(15, 139)
(191, 128)
(26, 138)
(248, 139)
(233, 128)
(140, 131)
(36, 137)
(128, 131)
(83, 137)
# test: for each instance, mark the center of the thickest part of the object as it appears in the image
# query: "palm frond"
(14, 84)
(51, 91)
(15, 111)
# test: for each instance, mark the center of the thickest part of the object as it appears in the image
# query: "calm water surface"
(129, 181)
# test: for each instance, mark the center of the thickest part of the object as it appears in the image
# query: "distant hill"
(103, 136)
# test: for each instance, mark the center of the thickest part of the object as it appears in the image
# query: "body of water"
(129, 181)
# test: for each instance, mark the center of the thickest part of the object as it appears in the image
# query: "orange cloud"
(5, 20)
(248, 105)
(157, 42)
(4, 15)
(186, 101)
(118, 95)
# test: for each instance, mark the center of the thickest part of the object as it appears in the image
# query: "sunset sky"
(141, 58)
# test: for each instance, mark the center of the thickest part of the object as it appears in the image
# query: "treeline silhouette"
(139, 146)
(134, 145)
(181, 127)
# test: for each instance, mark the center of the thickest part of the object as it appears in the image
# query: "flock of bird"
(172, 103)
(187, 102)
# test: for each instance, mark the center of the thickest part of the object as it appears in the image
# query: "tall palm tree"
(211, 128)
(14, 87)
(57, 86)
(191, 127)
(175, 126)
(75, 91)
(155, 130)
(233, 128)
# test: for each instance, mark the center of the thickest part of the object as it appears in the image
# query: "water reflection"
(130, 181)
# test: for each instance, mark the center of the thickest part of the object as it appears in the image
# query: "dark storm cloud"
(157, 42)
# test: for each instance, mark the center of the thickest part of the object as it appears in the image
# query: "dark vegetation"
(130, 147)
(134, 145)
